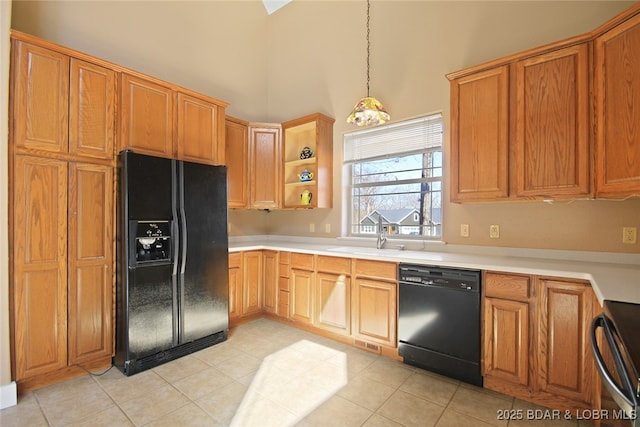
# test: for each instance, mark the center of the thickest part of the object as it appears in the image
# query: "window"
(395, 175)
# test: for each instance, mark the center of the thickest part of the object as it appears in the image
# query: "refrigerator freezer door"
(204, 293)
(151, 310)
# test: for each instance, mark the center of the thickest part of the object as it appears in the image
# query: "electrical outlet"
(629, 235)
(494, 231)
(327, 228)
(312, 228)
(464, 230)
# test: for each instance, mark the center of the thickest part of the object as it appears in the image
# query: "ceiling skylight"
(273, 5)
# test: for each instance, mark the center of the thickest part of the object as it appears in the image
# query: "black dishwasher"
(439, 320)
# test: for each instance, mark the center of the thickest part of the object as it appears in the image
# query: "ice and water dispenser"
(150, 242)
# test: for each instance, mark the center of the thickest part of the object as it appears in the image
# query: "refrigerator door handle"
(183, 219)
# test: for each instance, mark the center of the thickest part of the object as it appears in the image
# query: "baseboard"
(8, 395)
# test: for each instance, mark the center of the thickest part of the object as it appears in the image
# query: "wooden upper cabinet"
(551, 123)
(480, 135)
(62, 104)
(236, 153)
(90, 253)
(146, 116)
(617, 107)
(315, 133)
(200, 124)
(39, 227)
(92, 106)
(265, 143)
(40, 98)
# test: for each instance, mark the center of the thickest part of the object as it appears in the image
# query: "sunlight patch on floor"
(279, 384)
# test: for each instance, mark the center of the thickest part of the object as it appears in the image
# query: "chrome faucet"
(382, 238)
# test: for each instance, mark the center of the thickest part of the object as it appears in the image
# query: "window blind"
(414, 135)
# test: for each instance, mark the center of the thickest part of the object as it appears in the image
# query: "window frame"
(429, 122)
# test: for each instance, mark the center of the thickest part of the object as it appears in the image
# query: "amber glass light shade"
(368, 112)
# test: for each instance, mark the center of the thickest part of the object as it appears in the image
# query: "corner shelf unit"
(315, 132)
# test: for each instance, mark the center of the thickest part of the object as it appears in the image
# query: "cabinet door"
(617, 105)
(265, 160)
(235, 285)
(92, 101)
(91, 280)
(480, 136)
(146, 117)
(552, 123)
(301, 295)
(506, 340)
(40, 98)
(270, 266)
(198, 131)
(39, 265)
(252, 275)
(236, 153)
(333, 302)
(375, 309)
(565, 363)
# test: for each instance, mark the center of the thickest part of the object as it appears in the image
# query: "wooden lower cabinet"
(333, 294)
(506, 340)
(235, 285)
(270, 280)
(301, 295)
(566, 368)
(39, 265)
(535, 340)
(63, 266)
(375, 310)
(251, 282)
(283, 284)
(332, 302)
(90, 251)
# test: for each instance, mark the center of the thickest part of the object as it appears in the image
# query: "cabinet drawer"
(331, 264)
(283, 284)
(508, 286)
(377, 269)
(234, 259)
(302, 261)
(283, 270)
(283, 304)
(285, 258)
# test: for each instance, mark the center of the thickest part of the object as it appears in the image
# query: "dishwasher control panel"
(466, 280)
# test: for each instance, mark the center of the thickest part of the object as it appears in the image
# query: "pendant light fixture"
(368, 111)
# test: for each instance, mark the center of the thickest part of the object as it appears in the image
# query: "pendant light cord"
(368, 43)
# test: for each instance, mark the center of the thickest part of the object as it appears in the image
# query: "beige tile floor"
(270, 374)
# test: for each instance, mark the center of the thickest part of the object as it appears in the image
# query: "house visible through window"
(396, 178)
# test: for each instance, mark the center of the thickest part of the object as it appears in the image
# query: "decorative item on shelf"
(305, 176)
(306, 153)
(368, 111)
(305, 197)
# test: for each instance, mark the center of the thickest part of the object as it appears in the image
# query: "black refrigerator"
(172, 292)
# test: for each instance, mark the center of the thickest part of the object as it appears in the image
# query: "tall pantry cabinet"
(62, 192)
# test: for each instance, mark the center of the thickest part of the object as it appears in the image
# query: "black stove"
(617, 356)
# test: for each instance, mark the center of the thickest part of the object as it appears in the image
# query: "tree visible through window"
(396, 178)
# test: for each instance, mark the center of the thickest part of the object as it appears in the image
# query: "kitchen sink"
(351, 250)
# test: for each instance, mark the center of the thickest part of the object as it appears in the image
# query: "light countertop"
(613, 276)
